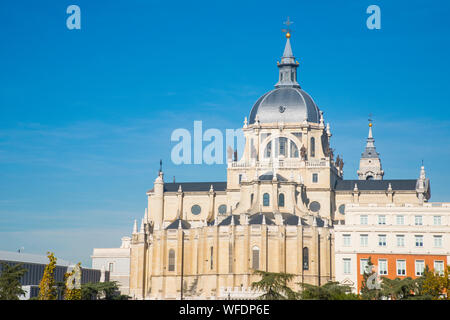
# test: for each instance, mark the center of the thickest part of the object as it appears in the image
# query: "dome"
(285, 104)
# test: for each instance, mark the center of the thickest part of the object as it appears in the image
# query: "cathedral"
(276, 212)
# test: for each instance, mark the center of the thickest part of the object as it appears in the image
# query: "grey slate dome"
(286, 104)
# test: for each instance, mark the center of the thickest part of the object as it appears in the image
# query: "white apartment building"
(400, 240)
(117, 262)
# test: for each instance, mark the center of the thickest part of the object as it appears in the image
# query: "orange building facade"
(399, 265)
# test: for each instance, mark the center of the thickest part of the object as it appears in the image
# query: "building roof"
(227, 220)
(194, 186)
(375, 185)
(176, 224)
(257, 218)
(287, 104)
(29, 258)
(269, 176)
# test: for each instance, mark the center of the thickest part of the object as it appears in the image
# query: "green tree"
(274, 285)
(437, 286)
(400, 289)
(10, 286)
(328, 291)
(101, 291)
(47, 289)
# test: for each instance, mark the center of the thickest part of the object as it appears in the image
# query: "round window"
(223, 209)
(342, 209)
(196, 209)
(314, 206)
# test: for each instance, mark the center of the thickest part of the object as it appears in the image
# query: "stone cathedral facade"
(276, 212)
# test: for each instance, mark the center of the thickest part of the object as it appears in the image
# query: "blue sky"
(85, 115)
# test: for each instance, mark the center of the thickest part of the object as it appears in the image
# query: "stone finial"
(141, 230)
(211, 189)
(146, 215)
(422, 172)
(179, 224)
(232, 220)
(245, 122)
(389, 187)
(180, 189)
(356, 187)
(135, 227)
(299, 222)
(314, 222)
(263, 219)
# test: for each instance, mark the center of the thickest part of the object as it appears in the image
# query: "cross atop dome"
(288, 29)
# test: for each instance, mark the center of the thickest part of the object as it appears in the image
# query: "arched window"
(294, 150)
(305, 258)
(212, 255)
(281, 200)
(268, 150)
(283, 146)
(266, 200)
(255, 258)
(312, 147)
(171, 260)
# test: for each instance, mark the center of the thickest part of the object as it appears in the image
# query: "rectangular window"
(255, 258)
(347, 266)
(363, 219)
(401, 267)
(364, 240)
(347, 240)
(419, 241)
(283, 146)
(382, 240)
(400, 220)
(420, 266)
(400, 240)
(418, 220)
(363, 263)
(315, 177)
(381, 219)
(382, 267)
(439, 267)
(212, 257)
(437, 220)
(437, 241)
(230, 258)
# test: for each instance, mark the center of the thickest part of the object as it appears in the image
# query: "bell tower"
(370, 162)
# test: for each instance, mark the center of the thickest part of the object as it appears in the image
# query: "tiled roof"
(176, 224)
(348, 185)
(194, 186)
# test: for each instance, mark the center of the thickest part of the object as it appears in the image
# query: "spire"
(423, 185)
(135, 227)
(288, 66)
(141, 230)
(370, 162)
(422, 172)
